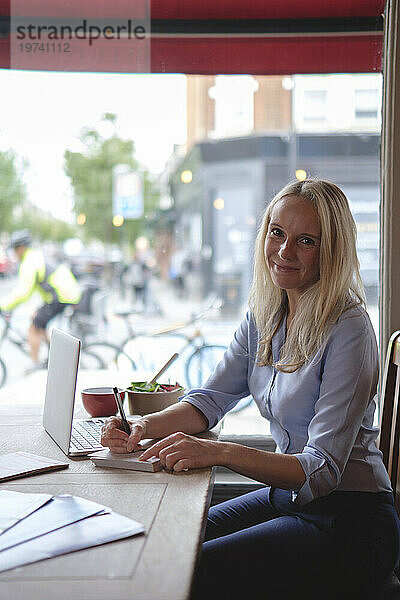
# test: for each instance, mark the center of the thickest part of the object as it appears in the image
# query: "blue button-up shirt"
(322, 413)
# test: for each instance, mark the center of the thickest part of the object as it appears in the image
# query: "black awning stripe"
(166, 27)
(236, 36)
(268, 26)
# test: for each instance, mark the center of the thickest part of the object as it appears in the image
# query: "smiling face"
(292, 245)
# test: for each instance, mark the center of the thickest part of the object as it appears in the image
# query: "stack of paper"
(38, 526)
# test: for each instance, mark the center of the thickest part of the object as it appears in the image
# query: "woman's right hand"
(119, 442)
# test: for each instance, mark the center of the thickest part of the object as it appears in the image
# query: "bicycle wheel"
(150, 352)
(111, 356)
(202, 363)
(89, 361)
(3, 372)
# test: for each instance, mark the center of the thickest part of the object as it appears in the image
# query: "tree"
(12, 189)
(91, 174)
(17, 212)
(43, 225)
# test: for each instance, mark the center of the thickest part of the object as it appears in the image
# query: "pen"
(125, 424)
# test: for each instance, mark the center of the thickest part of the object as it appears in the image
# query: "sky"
(42, 114)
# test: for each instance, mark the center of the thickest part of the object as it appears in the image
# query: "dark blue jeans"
(262, 544)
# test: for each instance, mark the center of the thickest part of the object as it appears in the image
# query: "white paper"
(58, 512)
(15, 506)
(89, 532)
(21, 464)
(106, 458)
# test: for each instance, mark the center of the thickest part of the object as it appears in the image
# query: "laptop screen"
(59, 401)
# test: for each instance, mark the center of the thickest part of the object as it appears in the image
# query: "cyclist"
(55, 283)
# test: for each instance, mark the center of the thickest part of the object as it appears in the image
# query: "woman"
(325, 525)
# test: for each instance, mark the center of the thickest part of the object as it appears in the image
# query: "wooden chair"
(390, 415)
(389, 445)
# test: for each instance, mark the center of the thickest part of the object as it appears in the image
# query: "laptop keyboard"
(85, 435)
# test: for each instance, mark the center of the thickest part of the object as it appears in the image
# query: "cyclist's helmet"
(20, 238)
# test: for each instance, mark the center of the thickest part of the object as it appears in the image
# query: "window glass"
(151, 188)
(315, 105)
(366, 104)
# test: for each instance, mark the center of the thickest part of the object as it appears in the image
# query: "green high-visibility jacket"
(54, 283)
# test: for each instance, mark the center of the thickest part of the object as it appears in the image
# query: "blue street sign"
(127, 193)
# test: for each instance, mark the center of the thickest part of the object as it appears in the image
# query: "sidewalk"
(172, 305)
(166, 308)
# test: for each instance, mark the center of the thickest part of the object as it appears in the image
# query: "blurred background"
(151, 188)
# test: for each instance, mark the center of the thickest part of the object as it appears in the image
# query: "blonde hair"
(338, 289)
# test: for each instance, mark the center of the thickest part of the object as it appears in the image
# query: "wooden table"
(156, 566)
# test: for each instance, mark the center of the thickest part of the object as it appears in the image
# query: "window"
(315, 105)
(206, 189)
(366, 104)
(234, 105)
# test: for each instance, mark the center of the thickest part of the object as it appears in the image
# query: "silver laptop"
(76, 437)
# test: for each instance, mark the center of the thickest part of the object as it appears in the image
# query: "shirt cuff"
(321, 476)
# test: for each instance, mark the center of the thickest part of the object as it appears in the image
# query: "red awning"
(282, 56)
(206, 9)
(208, 36)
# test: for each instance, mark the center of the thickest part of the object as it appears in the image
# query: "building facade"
(247, 137)
(232, 181)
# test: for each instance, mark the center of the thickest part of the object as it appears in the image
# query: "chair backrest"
(390, 415)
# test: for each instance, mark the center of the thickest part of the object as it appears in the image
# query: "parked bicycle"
(198, 358)
(145, 351)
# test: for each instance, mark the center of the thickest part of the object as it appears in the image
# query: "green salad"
(145, 386)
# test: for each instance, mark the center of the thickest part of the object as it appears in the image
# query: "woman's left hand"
(181, 452)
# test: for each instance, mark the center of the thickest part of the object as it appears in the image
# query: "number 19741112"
(47, 47)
